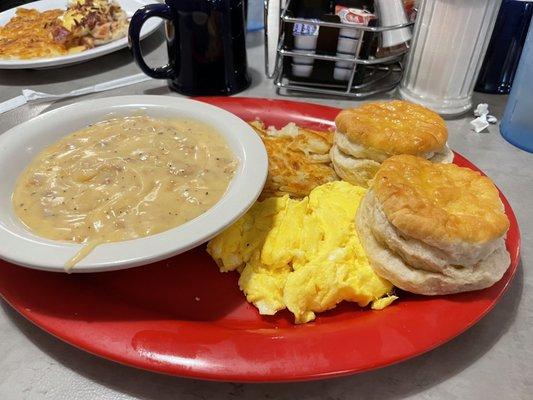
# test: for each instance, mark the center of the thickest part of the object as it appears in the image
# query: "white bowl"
(21, 144)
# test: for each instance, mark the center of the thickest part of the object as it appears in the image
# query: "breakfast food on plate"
(27, 35)
(123, 178)
(303, 255)
(433, 228)
(85, 24)
(90, 23)
(298, 159)
(368, 135)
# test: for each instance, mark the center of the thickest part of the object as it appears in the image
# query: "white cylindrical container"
(347, 45)
(342, 74)
(449, 42)
(303, 60)
(301, 70)
(345, 64)
(392, 12)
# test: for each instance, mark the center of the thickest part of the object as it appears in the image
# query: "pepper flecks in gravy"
(122, 179)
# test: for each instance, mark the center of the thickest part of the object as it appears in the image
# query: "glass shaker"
(498, 69)
(449, 42)
(517, 122)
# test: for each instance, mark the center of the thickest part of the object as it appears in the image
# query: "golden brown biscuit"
(357, 171)
(394, 127)
(440, 204)
(298, 160)
(417, 267)
(433, 228)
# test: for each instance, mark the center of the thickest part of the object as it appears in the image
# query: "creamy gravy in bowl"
(62, 199)
(122, 179)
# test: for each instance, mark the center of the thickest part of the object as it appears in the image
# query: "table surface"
(492, 360)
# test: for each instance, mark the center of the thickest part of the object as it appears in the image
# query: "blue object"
(205, 42)
(517, 122)
(255, 13)
(503, 54)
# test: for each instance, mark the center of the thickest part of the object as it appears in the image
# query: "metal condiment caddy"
(368, 76)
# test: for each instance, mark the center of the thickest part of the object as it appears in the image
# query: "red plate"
(182, 317)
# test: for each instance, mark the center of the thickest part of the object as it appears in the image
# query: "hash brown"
(28, 35)
(83, 25)
(298, 159)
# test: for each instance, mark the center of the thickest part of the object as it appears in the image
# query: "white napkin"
(32, 96)
(483, 119)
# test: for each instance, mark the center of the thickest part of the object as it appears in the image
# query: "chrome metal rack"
(380, 74)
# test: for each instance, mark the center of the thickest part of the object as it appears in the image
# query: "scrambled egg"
(75, 15)
(303, 255)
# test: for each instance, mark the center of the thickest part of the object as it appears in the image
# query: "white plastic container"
(302, 42)
(353, 16)
(392, 12)
(302, 71)
(305, 36)
(449, 42)
(303, 60)
(349, 33)
(342, 74)
(347, 45)
(345, 64)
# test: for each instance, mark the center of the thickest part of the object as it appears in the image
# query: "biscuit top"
(395, 127)
(439, 203)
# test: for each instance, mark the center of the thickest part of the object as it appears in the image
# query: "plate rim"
(182, 371)
(70, 59)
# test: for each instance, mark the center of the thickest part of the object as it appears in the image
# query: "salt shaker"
(449, 42)
(517, 122)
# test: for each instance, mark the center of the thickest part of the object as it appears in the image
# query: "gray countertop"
(492, 360)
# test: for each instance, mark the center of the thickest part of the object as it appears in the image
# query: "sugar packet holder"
(359, 74)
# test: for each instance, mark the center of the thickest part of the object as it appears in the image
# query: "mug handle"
(134, 32)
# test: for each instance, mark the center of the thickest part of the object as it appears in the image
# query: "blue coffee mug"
(206, 45)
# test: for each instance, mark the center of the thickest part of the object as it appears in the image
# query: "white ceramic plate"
(129, 6)
(21, 144)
